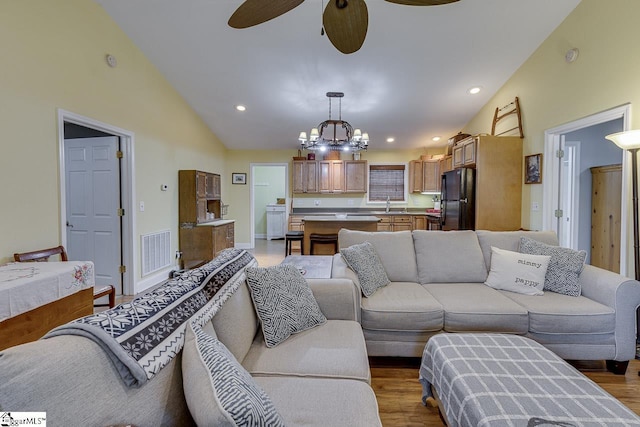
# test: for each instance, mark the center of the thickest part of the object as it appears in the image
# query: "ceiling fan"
(345, 21)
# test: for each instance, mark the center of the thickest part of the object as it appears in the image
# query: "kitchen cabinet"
(198, 194)
(331, 176)
(275, 221)
(419, 222)
(606, 190)
(431, 176)
(498, 179)
(424, 176)
(464, 153)
(445, 164)
(395, 223)
(355, 176)
(305, 176)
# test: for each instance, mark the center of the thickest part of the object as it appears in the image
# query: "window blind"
(386, 181)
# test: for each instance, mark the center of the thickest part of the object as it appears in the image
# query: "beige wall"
(54, 57)
(553, 92)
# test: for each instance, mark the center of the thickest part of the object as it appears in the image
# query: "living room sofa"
(318, 377)
(437, 285)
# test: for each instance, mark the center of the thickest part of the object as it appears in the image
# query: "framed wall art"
(533, 169)
(238, 178)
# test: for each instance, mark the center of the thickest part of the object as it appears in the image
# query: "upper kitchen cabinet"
(355, 176)
(305, 176)
(199, 195)
(464, 153)
(424, 176)
(331, 178)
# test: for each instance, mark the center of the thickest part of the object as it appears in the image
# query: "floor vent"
(156, 251)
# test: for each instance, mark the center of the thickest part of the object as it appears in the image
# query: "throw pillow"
(364, 261)
(564, 268)
(218, 390)
(517, 272)
(283, 301)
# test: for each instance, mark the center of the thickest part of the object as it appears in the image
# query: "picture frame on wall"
(533, 169)
(238, 178)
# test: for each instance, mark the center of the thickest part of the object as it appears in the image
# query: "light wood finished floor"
(395, 380)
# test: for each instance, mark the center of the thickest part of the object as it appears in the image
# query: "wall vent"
(156, 251)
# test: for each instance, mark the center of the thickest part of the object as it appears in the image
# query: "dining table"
(38, 296)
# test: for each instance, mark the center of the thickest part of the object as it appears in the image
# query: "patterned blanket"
(144, 335)
(507, 380)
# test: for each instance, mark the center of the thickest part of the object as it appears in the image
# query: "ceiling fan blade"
(254, 12)
(422, 2)
(346, 22)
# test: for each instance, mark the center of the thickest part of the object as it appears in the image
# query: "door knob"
(69, 225)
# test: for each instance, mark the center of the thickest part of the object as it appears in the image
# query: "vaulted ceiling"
(409, 81)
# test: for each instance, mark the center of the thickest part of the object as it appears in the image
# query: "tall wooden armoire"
(606, 190)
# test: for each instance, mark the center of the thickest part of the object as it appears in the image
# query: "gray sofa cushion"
(510, 240)
(73, 380)
(402, 306)
(218, 390)
(236, 322)
(395, 250)
(320, 402)
(475, 307)
(364, 261)
(564, 267)
(437, 252)
(561, 314)
(335, 349)
(284, 302)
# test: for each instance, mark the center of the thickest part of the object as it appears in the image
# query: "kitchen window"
(387, 181)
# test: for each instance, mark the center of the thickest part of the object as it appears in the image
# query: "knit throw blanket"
(144, 335)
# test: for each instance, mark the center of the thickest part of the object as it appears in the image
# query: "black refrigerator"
(458, 199)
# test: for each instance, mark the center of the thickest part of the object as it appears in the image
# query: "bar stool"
(323, 238)
(293, 236)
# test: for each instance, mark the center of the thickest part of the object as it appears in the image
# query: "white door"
(569, 193)
(92, 185)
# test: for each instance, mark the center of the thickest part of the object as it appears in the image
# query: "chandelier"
(334, 135)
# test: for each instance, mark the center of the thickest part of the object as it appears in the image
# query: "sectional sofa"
(318, 377)
(437, 285)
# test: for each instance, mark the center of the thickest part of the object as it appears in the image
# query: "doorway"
(269, 182)
(89, 165)
(571, 150)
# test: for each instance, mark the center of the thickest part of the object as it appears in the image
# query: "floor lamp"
(630, 140)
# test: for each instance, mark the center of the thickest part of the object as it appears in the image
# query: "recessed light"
(474, 90)
(435, 139)
(241, 108)
(390, 140)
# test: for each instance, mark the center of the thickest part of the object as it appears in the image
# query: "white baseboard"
(152, 280)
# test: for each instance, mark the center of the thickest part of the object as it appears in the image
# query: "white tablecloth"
(27, 285)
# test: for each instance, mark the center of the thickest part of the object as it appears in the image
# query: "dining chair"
(43, 255)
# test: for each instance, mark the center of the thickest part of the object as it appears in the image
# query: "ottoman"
(509, 380)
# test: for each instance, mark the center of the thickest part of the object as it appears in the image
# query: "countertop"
(363, 212)
(216, 223)
(333, 218)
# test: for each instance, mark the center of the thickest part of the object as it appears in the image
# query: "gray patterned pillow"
(364, 261)
(564, 267)
(283, 301)
(218, 390)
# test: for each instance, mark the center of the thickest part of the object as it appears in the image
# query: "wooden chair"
(43, 255)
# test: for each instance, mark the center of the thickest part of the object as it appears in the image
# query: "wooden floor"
(395, 380)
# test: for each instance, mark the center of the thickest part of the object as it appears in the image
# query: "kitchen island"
(331, 224)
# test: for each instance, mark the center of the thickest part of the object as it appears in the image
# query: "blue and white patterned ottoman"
(508, 380)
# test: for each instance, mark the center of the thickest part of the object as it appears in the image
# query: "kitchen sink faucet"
(388, 205)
